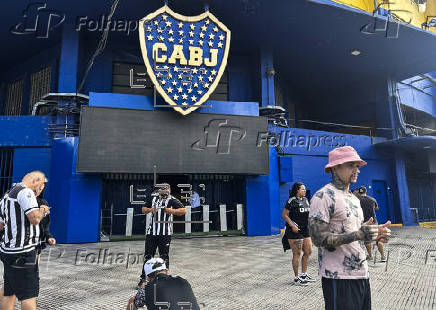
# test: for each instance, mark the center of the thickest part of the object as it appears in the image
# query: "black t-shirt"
(161, 222)
(171, 293)
(368, 205)
(298, 211)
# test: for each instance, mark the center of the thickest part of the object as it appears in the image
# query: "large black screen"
(133, 141)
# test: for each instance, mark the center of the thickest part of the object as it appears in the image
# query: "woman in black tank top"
(296, 214)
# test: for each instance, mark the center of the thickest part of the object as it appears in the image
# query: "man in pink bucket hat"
(336, 227)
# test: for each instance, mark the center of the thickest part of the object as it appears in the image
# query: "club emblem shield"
(185, 56)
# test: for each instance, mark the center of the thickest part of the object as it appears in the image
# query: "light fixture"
(355, 52)
(271, 72)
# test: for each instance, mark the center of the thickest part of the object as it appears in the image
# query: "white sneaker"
(307, 278)
(299, 281)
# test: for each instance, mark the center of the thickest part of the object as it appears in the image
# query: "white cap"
(153, 265)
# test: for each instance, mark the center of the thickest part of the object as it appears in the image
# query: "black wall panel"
(132, 141)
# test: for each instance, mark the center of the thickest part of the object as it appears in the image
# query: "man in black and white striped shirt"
(158, 234)
(20, 217)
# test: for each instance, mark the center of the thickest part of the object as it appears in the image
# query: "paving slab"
(232, 273)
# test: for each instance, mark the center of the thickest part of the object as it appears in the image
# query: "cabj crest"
(185, 56)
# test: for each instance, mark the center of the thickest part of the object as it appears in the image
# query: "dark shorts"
(303, 233)
(346, 294)
(21, 275)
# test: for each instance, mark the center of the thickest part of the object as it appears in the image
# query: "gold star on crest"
(211, 36)
(200, 42)
(204, 28)
(215, 29)
(170, 89)
(206, 85)
(171, 31)
(168, 24)
(175, 97)
(195, 71)
(148, 28)
(221, 37)
(175, 83)
(194, 98)
(191, 42)
(163, 82)
(180, 32)
(164, 17)
(179, 89)
(171, 39)
(195, 85)
(191, 34)
(189, 90)
(150, 37)
(220, 44)
(213, 72)
(180, 25)
(192, 26)
(207, 22)
(176, 69)
(200, 78)
(210, 79)
(202, 35)
(161, 38)
(210, 43)
(156, 22)
(180, 40)
(184, 96)
(159, 30)
(199, 92)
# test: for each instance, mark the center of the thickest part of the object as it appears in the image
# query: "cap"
(153, 265)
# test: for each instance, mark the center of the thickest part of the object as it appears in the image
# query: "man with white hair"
(163, 290)
(20, 217)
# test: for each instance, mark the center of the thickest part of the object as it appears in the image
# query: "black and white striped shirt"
(162, 229)
(19, 234)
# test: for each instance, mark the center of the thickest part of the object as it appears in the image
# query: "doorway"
(379, 191)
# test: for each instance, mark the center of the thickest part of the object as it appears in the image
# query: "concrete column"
(223, 217)
(206, 218)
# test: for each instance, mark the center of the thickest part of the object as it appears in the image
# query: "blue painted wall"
(29, 159)
(75, 198)
(307, 154)
(263, 204)
(124, 101)
(24, 131)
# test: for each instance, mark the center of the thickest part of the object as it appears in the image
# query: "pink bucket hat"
(342, 155)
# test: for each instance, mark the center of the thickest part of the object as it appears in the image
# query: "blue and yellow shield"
(185, 56)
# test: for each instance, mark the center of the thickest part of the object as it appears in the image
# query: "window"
(14, 98)
(40, 85)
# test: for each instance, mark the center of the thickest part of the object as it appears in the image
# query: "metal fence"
(223, 219)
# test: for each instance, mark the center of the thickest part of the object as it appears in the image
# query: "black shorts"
(343, 294)
(303, 233)
(21, 275)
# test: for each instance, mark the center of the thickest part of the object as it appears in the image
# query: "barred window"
(14, 98)
(40, 85)
(6, 159)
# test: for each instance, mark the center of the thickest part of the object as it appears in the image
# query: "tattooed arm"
(322, 237)
(36, 216)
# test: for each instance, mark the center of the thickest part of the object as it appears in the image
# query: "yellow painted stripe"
(397, 225)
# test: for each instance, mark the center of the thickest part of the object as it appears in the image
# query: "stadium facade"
(302, 77)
